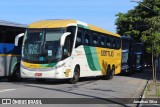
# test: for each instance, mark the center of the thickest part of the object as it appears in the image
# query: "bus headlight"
(59, 65)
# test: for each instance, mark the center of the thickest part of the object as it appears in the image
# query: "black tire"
(110, 73)
(76, 76)
(107, 73)
(40, 80)
(16, 76)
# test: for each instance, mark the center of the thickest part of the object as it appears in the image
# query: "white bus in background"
(11, 37)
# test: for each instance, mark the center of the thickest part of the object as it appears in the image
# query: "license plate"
(38, 74)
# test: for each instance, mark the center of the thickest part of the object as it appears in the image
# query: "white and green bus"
(69, 49)
(11, 37)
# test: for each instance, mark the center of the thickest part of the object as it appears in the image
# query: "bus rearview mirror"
(64, 37)
(17, 38)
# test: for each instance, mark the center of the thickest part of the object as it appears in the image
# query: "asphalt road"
(119, 87)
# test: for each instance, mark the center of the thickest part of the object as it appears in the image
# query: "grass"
(158, 91)
(149, 87)
(151, 90)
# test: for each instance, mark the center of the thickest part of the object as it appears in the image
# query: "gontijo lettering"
(107, 53)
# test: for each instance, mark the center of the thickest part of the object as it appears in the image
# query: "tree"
(143, 24)
(132, 23)
(152, 38)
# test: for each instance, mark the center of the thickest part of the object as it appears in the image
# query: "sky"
(97, 12)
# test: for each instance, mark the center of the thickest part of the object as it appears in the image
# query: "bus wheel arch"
(15, 74)
(76, 75)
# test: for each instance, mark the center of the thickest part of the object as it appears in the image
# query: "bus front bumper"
(49, 74)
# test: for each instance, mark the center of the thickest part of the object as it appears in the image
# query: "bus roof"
(12, 24)
(60, 23)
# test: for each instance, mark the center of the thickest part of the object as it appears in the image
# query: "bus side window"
(118, 43)
(87, 35)
(11, 34)
(108, 41)
(79, 38)
(3, 35)
(7, 35)
(102, 40)
(94, 39)
(114, 43)
(111, 39)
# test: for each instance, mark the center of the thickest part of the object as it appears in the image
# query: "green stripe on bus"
(89, 58)
(52, 64)
(95, 58)
(49, 65)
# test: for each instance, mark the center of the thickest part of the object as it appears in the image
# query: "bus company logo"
(107, 53)
(6, 101)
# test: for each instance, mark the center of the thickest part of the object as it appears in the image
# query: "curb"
(143, 93)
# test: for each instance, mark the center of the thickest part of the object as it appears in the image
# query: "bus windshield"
(42, 45)
(138, 59)
(124, 57)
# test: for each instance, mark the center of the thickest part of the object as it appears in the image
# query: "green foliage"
(143, 24)
(152, 35)
(134, 19)
(153, 39)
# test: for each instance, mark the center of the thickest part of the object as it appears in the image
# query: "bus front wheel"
(76, 76)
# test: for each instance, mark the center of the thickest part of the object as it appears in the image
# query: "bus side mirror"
(17, 38)
(64, 37)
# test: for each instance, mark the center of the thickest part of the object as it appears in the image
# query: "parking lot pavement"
(118, 87)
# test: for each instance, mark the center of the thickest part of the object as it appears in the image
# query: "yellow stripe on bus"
(9, 55)
(30, 65)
